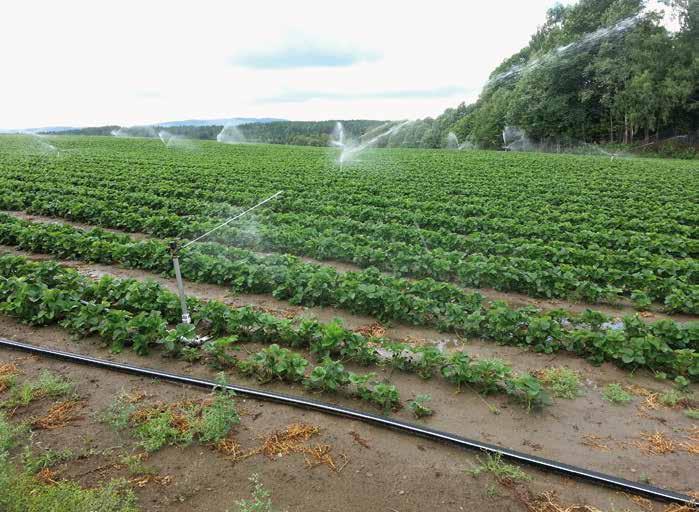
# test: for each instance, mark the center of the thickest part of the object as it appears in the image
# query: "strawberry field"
(494, 295)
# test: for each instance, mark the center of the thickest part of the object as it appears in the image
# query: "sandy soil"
(512, 298)
(386, 472)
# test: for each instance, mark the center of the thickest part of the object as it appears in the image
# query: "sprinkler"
(175, 249)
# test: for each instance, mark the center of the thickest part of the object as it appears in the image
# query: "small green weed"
(260, 500)
(563, 382)
(47, 385)
(502, 471)
(35, 462)
(615, 394)
(136, 467)
(692, 414)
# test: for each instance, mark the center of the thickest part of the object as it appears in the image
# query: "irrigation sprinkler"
(175, 249)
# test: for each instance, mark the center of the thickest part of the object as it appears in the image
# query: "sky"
(90, 63)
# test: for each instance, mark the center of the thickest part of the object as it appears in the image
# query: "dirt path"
(514, 299)
(380, 470)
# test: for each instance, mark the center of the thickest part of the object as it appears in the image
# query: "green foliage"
(275, 362)
(501, 470)
(47, 385)
(563, 382)
(260, 500)
(179, 424)
(22, 492)
(8, 433)
(418, 407)
(328, 376)
(692, 413)
(33, 462)
(616, 394)
(527, 389)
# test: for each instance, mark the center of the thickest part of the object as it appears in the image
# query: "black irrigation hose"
(628, 486)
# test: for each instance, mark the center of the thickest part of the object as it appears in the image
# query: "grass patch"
(180, 423)
(672, 398)
(692, 414)
(501, 470)
(615, 394)
(35, 462)
(136, 467)
(563, 382)
(20, 491)
(47, 385)
(8, 433)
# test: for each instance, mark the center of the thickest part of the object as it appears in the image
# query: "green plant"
(527, 389)
(8, 433)
(616, 394)
(328, 376)
(563, 382)
(22, 492)
(418, 407)
(260, 500)
(118, 413)
(218, 352)
(33, 462)
(692, 413)
(385, 396)
(672, 397)
(275, 362)
(158, 430)
(47, 385)
(502, 471)
(135, 465)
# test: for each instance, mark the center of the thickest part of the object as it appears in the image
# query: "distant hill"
(231, 121)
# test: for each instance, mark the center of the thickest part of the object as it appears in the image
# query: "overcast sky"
(87, 63)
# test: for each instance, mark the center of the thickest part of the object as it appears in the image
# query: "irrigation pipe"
(594, 477)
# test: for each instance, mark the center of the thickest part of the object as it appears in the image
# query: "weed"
(492, 491)
(502, 471)
(418, 406)
(8, 433)
(615, 394)
(692, 413)
(260, 500)
(47, 385)
(21, 492)
(135, 465)
(33, 462)
(672, 397)
(190, 354)
(563, 382)
(118, 413)
(180, 423)
(217, 419)
(158, 431)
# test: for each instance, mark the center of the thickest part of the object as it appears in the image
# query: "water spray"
(175, 249)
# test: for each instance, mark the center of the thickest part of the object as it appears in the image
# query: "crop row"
(641, 276)
(135, 314)
(173, 190)
(662, 346)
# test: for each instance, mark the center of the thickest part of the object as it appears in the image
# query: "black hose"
(628, 486)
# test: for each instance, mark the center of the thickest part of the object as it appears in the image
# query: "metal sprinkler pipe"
(232, 219)
(175, 251)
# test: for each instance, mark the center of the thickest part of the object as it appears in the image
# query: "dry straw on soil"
(59, 415)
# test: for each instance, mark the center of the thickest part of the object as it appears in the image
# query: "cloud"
(303, 54)
(302, 96)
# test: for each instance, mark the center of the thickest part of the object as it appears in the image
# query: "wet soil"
(379, 470)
